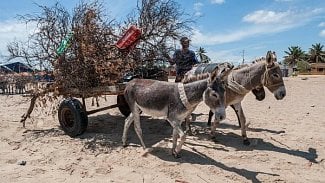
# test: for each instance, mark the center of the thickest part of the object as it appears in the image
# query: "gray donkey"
(175, 101)
(258, 91)
(264, 73)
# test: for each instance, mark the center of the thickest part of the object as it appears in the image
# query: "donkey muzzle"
(280, 93)
(220, 114)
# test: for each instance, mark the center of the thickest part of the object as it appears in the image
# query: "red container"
(129, 38)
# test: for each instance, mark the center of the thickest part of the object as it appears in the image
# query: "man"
(184, 59)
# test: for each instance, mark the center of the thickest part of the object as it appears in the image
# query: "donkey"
(258, 91)
(264, 73)
(175, 101)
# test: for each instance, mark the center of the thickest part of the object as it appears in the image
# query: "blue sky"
(225, 28)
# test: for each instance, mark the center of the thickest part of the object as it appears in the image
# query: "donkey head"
(214, 95)
(272, 78)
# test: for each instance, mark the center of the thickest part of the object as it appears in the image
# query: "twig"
(180, 181)
(280, 142)
(202, 178)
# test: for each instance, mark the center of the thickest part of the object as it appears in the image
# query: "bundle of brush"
(90, 58)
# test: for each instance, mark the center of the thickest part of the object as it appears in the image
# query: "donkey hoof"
(246, 142)
(189, 133)
(125, 145)
(176, 155)
(214, 138)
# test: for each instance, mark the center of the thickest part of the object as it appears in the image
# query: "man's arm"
(172, 60)
(195, 60)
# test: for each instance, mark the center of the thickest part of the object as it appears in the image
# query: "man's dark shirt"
(184, 61)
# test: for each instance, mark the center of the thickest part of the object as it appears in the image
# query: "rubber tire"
(72, 117)
(123, 106)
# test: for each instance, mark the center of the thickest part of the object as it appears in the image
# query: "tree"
(316, 53)
(162, 22)
(294, 55)
(303, 66)
(53, 25)
(203, 57)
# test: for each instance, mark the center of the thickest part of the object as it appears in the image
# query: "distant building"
(284, 70)
(317, 68)
(18, 67)
(5, 70)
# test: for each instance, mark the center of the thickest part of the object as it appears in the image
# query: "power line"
(243, 55)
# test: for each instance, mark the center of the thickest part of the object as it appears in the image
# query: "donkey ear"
(275, 57)
(213, 75)
(229, 65)
(269, 58)
(225, 72)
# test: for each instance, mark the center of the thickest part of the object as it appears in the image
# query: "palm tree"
(316, 53)
(294, 55)
(203, 57)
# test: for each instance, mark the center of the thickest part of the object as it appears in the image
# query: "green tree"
(316, 53)
(203, 57)
(294, 55)
(303, 66)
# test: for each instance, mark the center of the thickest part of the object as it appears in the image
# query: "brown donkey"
(264, 73)
(175, 101)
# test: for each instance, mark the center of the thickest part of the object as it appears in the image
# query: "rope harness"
(235, 86)
(183, 96)
(266, 77)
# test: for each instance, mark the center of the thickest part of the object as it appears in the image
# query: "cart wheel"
(123, 105)
(72, 117)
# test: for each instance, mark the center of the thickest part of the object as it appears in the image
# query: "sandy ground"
(287, 144)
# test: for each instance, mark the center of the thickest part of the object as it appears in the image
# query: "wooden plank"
(93, 92)
(102, 109)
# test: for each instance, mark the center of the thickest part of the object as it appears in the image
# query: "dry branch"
(34, 98)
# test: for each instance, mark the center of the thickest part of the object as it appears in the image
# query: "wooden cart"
(72, 113)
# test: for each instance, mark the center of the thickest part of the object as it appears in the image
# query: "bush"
(303, 66)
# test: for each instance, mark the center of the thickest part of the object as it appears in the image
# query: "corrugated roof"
(18, 67)
(5, 69)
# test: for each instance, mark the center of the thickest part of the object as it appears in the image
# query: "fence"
(11, 88)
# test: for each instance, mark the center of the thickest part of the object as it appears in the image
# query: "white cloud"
(11, 30)
(285, 17)
(197, 9)
(293, 19)
(201, 38)
(317, 10)
(231, 55)
(322, 24)
(198, 14)
(264, 22)
(322, 33)
(217, 1)
(263, 16)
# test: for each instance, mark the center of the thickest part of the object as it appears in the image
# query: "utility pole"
(243, 54)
